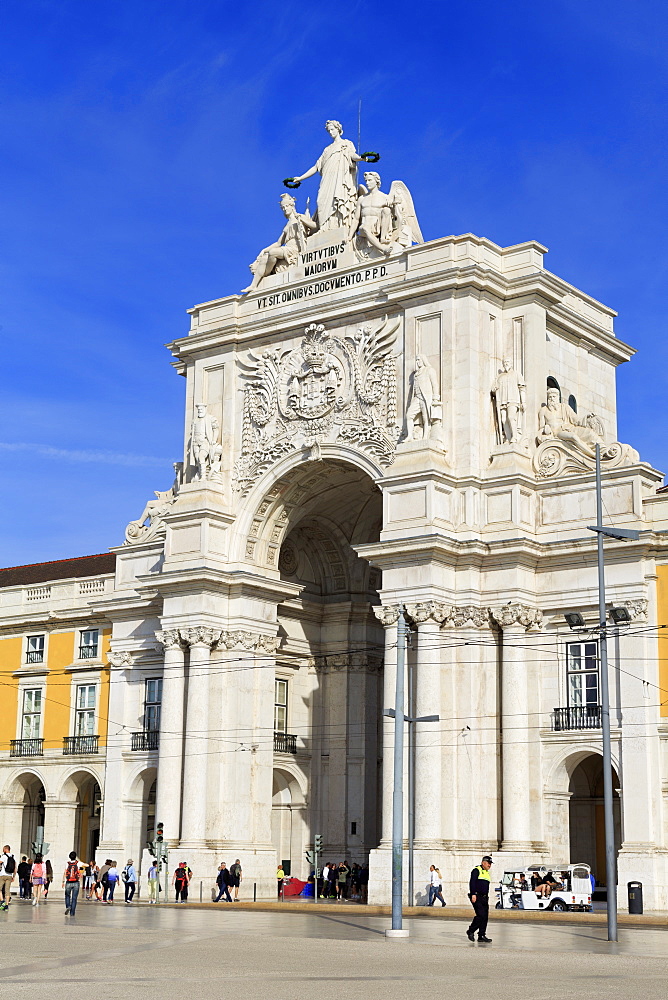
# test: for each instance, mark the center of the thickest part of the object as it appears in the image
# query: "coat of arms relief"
(331, 388)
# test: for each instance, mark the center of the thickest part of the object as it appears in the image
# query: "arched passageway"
(288, 820)
(586, 817)
(32, 795)
(329, 666)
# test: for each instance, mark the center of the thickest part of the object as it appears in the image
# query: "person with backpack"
(235, 872)
(38, 878)
(181, 880)
(223, 881)
(130, 878)
(71, 877)
(7, 876)
(102, 881)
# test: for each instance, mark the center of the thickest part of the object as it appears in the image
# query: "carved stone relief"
(514, 615)
(139, 531)
(330, 388)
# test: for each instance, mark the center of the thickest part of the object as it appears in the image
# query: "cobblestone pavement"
(134, 951)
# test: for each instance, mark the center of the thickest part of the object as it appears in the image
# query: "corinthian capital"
(518, 615)
(120, 658)
(387, 613)
(423, 611)
(200, 635)
(469, 615)
(169, 637)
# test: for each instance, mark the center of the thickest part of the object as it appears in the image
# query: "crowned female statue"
(337, 194)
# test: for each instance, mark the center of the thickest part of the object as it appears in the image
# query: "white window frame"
(281, 704)
(34, 635)
(24, 691)
(153, 704)
(79, 682)
(81, 645)
(584, 672)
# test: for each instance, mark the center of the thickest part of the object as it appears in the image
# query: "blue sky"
(143, 148)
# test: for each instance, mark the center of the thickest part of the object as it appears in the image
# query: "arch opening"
(328, 672)
(586, 816)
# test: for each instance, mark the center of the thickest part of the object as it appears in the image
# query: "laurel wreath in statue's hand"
(370, 157)
(290, 182)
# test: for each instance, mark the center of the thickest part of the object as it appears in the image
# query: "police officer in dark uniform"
(479, 884)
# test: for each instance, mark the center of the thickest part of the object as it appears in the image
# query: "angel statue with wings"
(385, 221)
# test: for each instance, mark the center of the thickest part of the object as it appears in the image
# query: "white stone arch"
(139, 781)
(14, 791)
(289, 815)
(566, 760)
(296, 779)
(271, 503)
(69, 789)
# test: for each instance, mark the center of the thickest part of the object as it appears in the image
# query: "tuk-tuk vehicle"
(573, 892)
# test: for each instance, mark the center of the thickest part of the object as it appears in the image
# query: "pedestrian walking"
(112, 881)
(181, 880)
(153, 881)
(237, 876)
(102, 882)
(342, 880)
(23, 872)
(49, 878)
(71, 884)
(89, 879)
(435, 885)
(223, 880)
(130, 880)
(38, 878)
(325, 881)
(479, 885)
(7, 876)
(280, 876)
(331, 880)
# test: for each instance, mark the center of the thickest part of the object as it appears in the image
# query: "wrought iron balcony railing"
(145, 741)
(33, 747)
(285, 743)
(35, 656)
(576, 717)
(80, 745)
(87, 652)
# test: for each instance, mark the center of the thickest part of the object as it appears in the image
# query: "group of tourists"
(226, 879)
(344, 881)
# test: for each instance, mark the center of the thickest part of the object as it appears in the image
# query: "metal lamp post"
(610, 861)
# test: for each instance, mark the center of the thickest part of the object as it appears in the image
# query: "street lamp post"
(610, 859)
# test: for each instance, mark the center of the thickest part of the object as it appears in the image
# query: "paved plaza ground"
(136, 951)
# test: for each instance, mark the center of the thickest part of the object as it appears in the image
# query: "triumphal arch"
(376, 422)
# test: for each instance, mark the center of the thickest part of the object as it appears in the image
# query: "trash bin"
(635, 896)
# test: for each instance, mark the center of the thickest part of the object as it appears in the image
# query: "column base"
(403, 933)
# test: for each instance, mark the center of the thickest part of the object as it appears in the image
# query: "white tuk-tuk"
(573, 891)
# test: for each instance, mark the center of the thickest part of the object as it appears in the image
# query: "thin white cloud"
(84, 455)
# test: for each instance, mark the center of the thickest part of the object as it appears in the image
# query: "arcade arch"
(586, 821)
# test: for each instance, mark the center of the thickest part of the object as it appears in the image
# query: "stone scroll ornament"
(567, 443)
(332, 388)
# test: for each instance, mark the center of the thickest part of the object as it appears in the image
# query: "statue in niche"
(424, 404)
(559, 420)
(206, 453)
(285, 251)
(154, 512)
(386, 222)
(509, 394)
(336, 193)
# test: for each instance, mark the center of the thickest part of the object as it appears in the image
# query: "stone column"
(428, 617)
(515, 620)
(170, 747)
(113, 819)
(193, 825)
(59, 827)
(388, 615)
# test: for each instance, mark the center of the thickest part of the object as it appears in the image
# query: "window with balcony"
(280, 706)
(84, 723)
(583, 710)
(88, 644)
(31, 720)
(152, 701)
(35, 649)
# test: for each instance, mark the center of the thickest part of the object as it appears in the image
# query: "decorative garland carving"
(637, 609)
(425, 610)
(120, 658)
(330, 388)
(364, 662)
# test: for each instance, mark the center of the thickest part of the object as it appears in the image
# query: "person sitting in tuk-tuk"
(549, 884)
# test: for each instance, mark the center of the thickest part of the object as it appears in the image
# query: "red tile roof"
(60, 569)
